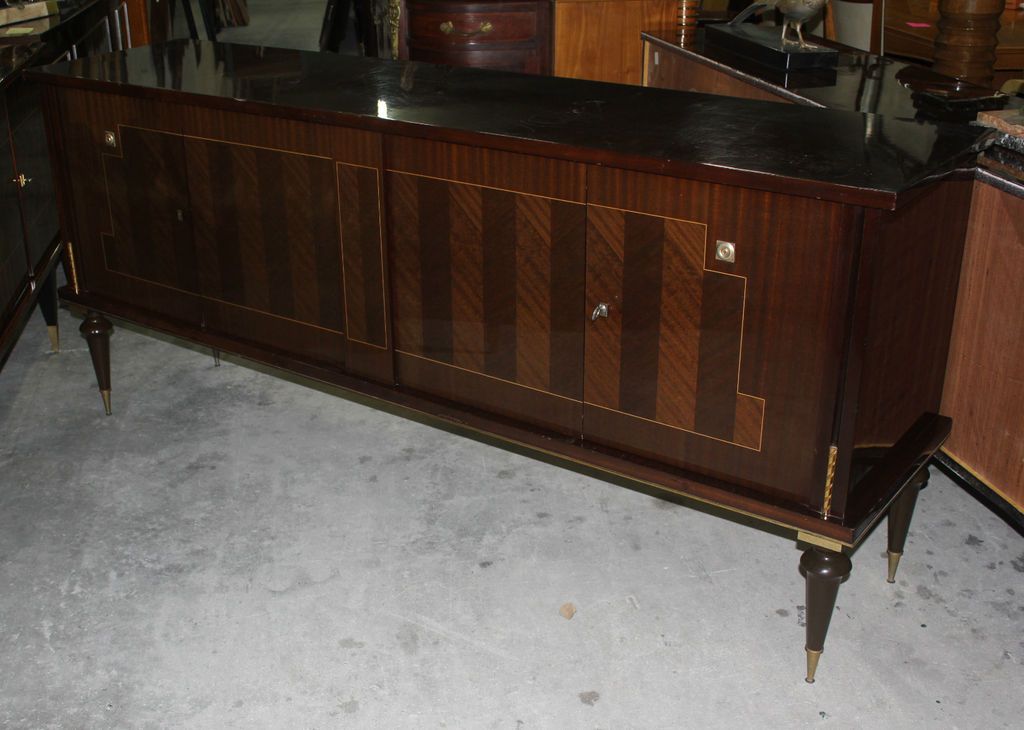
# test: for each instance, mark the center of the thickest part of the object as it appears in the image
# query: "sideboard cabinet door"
(265, 198)
(728, 368)
(128, 188)
(28, 134)
(14, 267)
(487, 267)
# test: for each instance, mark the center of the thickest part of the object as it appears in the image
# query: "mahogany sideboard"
(740, 303)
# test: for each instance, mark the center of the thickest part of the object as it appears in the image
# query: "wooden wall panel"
(600, 39)
(984, 392)
(725, 367)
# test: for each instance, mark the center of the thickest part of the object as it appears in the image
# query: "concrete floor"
(231, 549)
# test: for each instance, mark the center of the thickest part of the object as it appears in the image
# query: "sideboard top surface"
(844, 156)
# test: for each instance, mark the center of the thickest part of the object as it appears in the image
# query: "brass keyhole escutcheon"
(110, 139)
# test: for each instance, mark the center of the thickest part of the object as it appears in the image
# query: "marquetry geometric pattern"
(670, 350)
(474, 286)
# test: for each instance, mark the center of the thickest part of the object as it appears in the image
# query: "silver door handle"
(601, 310)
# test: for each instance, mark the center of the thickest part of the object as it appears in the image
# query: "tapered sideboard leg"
(48, 306)
(899, 519)
(96, 329)
(823, 570)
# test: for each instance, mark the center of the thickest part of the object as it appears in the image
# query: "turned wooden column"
(965, 47)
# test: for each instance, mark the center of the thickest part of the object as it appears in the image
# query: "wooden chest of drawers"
(512, 36)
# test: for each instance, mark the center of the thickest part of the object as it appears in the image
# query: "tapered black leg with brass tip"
(823, 571)
(900, 512)
(96, 329)
(48, 306)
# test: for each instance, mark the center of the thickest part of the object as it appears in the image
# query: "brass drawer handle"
(448, 28)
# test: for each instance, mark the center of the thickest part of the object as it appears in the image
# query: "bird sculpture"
(794, 13)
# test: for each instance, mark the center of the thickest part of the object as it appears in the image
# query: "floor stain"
(351, 707)
(801, 615)
(409, 640)
(973, 541)
(1018, 563)
(589, 698)
(782, 612)
(350, 643)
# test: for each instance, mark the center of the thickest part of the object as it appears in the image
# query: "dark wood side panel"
(730, 369)
(127, 203)
(906, 296)
(488, 281)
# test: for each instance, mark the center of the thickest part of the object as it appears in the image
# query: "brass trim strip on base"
(819, 541)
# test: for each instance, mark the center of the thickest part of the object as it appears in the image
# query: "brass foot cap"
(812, 664)
(894, 562)
(54, 332)
(106, 400)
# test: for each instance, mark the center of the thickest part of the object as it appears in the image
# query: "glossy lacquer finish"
(826, 154)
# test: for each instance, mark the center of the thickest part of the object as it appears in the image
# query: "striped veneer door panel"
(669, 351)
(725, 368)
(267, 231)
(488, 296)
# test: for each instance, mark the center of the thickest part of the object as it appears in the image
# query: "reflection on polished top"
(861, 82)
(865, 82)
(16, 56)
(41, 40)
(670, 131)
